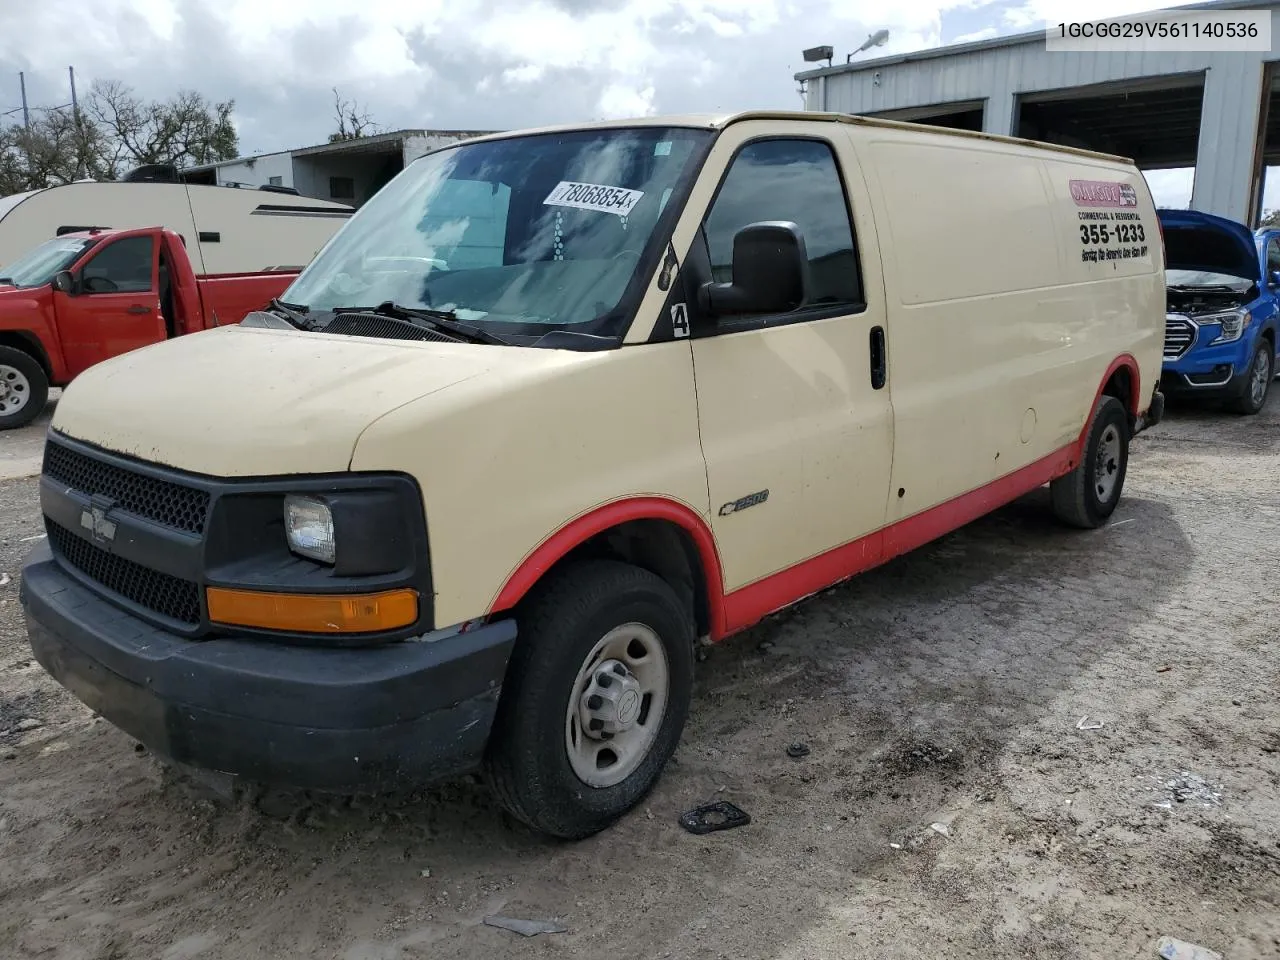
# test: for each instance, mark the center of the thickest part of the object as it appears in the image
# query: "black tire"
(1083, 498)
(527, 762)
(24, 374)
(1250, 402)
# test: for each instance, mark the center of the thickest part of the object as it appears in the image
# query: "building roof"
(375, 143)
(1013, 40)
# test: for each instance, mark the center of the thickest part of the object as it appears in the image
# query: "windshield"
(1204, 278)
(523, 235)
(37, 267)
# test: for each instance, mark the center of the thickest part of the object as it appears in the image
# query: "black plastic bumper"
(342, 720)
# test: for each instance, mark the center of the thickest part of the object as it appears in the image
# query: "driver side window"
(799, 181)
(121, 267)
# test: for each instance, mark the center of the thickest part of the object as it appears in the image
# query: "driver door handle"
(138, 308)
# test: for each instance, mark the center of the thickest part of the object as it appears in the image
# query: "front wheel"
(24, 388)
(1258, 381)
(595, 698)
(1087, 496)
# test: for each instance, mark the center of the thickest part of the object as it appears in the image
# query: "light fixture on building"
(876, 39)
(814, 54)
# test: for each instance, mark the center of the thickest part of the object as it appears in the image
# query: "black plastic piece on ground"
(714, 816)
(798, 750)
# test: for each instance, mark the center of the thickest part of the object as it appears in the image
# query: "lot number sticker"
(1109, 234)
(593, 196)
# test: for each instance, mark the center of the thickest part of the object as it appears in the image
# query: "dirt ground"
(948, 687)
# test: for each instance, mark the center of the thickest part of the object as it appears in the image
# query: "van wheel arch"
(660, 546)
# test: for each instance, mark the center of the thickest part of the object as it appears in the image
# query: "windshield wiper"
(1206, 288)
(295, 313)
(443, 320)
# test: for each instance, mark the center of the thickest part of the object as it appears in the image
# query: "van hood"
(1202, 243)
(243, 402)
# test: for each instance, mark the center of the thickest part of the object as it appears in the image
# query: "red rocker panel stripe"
(747, 605)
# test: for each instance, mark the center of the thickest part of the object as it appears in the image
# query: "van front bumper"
(339, 720)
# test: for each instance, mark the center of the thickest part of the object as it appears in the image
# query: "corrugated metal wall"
(1225, 162)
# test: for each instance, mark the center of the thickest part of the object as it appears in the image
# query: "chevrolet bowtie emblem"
(94, 519)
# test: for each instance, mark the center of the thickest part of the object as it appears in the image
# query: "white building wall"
(416, 146)
(998, 74)
(258, 171)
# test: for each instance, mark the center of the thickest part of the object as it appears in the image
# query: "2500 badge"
(1104, 233)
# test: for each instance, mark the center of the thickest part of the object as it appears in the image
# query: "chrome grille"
(1179, 335)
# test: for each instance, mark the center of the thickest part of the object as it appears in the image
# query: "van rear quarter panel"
(999, 334)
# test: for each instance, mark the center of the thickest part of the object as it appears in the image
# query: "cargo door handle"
(877, 358)
(138, 308)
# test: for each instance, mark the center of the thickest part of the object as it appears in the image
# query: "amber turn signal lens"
(314, 613)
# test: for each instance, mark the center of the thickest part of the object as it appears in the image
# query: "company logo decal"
(1103, 193)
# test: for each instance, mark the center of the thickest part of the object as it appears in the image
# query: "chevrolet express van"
(559, 404)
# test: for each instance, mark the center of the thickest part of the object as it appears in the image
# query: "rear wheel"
(1258, 381)
(24, 388)
(1087, 496)
(595, 698)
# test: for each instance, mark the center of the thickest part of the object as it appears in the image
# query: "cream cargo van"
(559, 404)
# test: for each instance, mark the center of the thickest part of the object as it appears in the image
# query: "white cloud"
(479, 64)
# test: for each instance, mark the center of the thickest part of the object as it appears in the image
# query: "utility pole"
(76, 125)
(26, 114)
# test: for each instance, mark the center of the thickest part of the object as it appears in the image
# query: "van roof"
(711, 121)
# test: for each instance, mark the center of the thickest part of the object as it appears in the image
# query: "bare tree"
(184, 130)
(353, 121)
(1270, 218)
(60, 146)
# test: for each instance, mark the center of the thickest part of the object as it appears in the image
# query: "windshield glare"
(38, 267)
(529, 234)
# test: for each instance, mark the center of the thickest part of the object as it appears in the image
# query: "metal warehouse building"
(1216, 111)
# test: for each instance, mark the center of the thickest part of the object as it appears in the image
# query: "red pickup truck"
(85, 297)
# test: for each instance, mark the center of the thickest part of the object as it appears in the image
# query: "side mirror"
(64, 282)
(770, 272)
(1273, 277)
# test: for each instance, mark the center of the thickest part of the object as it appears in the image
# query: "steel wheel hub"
(611, 702)
(15, 391)
(1106, 463)
(617, 705)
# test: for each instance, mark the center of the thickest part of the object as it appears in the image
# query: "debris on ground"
(526, 928)
(1084, 724)
(798, 750)
(711, 817)
(1170, 948)
(29, 724)
(895, 846)
(425, 873)
(1188, 787)
(5, 579)
(941, 828)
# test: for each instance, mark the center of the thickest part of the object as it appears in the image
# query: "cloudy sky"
(480, 64)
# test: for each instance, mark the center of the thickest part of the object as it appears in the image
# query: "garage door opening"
(1268, 205)
(1155, 121)
(956, 116)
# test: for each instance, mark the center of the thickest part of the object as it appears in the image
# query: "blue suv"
(1223, 290)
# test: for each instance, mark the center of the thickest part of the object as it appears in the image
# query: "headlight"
(1233, 322)
(308, 525)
